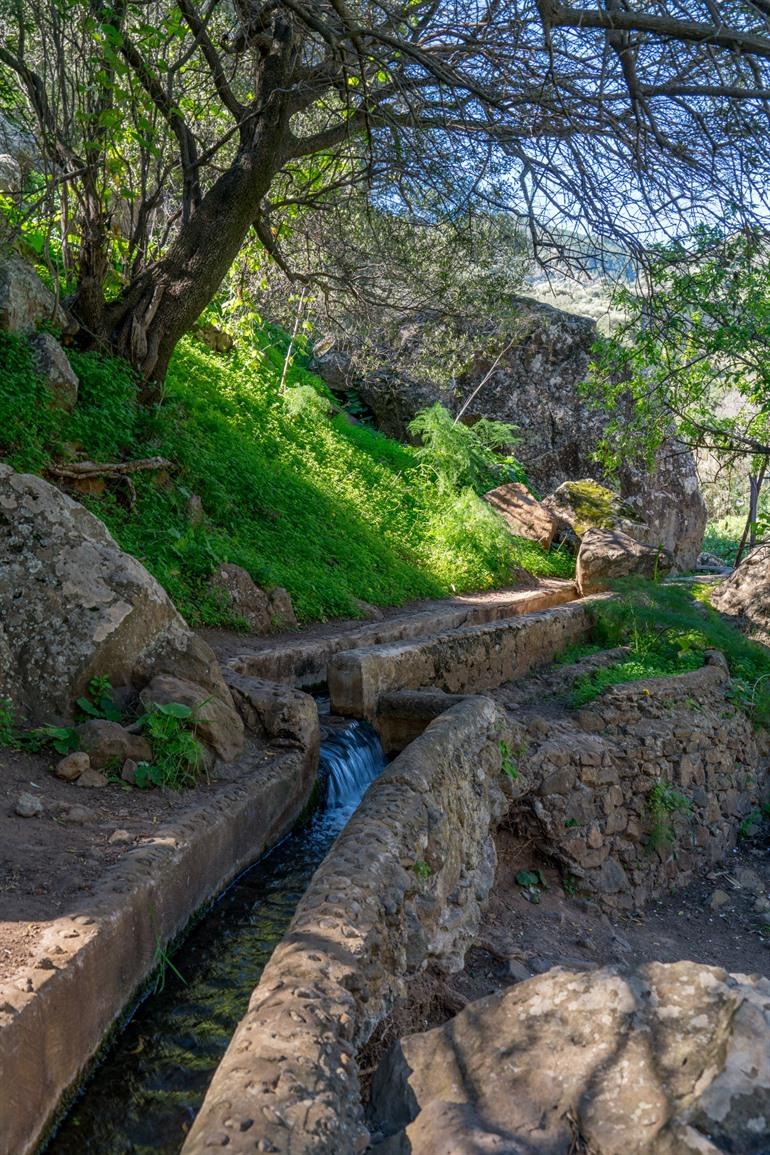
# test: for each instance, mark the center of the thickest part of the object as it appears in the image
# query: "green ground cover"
(329, 509)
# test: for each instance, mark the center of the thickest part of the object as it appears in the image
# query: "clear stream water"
(146, 1092)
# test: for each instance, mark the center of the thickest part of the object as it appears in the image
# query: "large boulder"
(668, 1059)
(24, 300)
(580, 505)
(667, 498)
(215, 721)
(523, 513)
(606, 555)
(746, 594)
(73, 606)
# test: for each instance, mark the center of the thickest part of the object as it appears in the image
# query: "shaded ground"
(518, 939)
(49, 863)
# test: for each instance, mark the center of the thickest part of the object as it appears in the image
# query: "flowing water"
(147, 1091)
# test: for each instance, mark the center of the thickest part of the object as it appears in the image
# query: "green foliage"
(507, 764)
(421, 870)
(98, 703)
(176, 752)
(331, 511)
(458, 456)
(62, 739)
(696, 338)
(663, 801)
(667, 628)
(8, 733)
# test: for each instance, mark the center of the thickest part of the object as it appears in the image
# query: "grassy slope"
(330, 510)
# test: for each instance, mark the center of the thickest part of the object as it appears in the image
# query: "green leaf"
(174, 709)
(527, 878)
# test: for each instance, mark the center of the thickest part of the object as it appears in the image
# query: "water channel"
(144, 1095)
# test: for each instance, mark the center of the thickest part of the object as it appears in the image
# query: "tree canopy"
(170, 131)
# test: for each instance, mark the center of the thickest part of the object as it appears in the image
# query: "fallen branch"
(77, 470)
(111, 471)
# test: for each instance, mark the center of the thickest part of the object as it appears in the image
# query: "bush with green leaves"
(176, 753)
(663, 801)
(457, 456)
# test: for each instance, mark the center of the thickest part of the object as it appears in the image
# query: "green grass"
(332, 511)
(722, 537)
(667, 629)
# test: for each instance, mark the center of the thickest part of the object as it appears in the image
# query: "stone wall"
(458, 661)
(588, 783)
(402, 885)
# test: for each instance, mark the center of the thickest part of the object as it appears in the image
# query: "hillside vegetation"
(329, 509)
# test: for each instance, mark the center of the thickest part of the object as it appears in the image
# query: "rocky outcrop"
(263, 612)
(214, 719)
(24, 300)
(668, 501)
(530, 374)
(606, 555)
(523, 513)
(746, 594)
(669, 1059)
(75, 606)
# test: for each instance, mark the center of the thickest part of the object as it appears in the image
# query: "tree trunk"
(144, 324)
(750, 528)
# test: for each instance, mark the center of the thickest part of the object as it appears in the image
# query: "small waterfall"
(350, 760)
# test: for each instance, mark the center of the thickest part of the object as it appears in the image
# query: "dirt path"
(229, 643)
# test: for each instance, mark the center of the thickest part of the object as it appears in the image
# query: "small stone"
(517, 971)
(92, 778)
(128, 771)
(761, 905)
(749, 880)
(718, 899)
(118, 837)
(29, 805)
(77, 815)
(72, 766)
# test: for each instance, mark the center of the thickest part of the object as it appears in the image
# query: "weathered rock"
(119, 838)
(719, 899)
(10, 173)
(128, 771)
(668, 500)
(74, 606)
(52, 364)
(276, 712)
(523, 514)
(77, 815)
(92, 780)
(263, 611)
(215, 721)
(29, 805)
(669, 1059)
(745, 595)
(282, 614)
(72, 766)
(606, 555)
(24, 300)
(367, 610)
(108, 742)
(577, 506)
